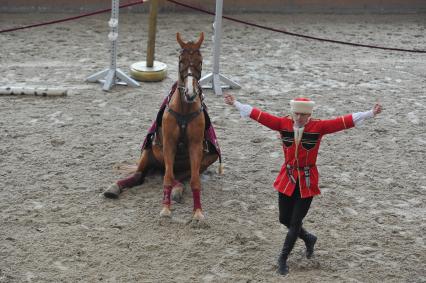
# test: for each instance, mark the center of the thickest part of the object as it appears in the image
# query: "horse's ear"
(179, 40)
(200, 40)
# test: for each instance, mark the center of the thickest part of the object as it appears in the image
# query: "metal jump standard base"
(113, 76)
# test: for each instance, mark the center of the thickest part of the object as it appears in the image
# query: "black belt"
(306, 170)
(299, 168)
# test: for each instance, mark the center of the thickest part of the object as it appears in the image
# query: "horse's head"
(190, 67)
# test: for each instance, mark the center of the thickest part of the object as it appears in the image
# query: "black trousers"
(292, 211)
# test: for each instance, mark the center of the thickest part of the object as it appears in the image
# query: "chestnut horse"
(178, 143)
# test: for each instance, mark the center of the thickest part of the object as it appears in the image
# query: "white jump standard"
(215, 78)
(113, 76)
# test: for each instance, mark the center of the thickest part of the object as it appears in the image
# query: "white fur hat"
(301, 105)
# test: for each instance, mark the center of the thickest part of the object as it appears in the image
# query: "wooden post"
(153, 12)
(150, 70)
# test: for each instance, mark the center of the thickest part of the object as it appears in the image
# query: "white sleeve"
(359, 117)
(245, 109)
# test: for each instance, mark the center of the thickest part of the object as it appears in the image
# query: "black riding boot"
(290, 239)
(309, 240)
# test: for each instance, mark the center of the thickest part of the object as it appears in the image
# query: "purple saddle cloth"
(209, 132)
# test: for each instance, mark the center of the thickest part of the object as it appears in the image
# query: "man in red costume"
(297, 181)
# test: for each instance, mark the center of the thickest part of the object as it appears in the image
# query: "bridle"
(186, 66)
(186, 71)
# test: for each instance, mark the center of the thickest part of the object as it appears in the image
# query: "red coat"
(304, 163)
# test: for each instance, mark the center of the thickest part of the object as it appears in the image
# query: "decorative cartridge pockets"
(287, 138)
(310, 140)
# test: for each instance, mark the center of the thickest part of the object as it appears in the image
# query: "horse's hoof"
(165, 221)
(177, 192)
(198, 215)
(113, 191)
(199, 223)
(198, 220)
(166, 212)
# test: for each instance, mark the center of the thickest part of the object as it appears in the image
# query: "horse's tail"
(220, 169)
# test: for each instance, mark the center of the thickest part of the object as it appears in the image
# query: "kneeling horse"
(182, 140)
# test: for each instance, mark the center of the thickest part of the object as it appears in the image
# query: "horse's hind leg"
(208, 159)
(177, 190)
(135, 179)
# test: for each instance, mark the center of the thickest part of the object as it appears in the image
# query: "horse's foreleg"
(196, 155)
(169, 152)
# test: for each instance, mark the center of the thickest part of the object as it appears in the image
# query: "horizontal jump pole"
(36, 91)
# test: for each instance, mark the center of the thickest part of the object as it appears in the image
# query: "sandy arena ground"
(57, 155)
